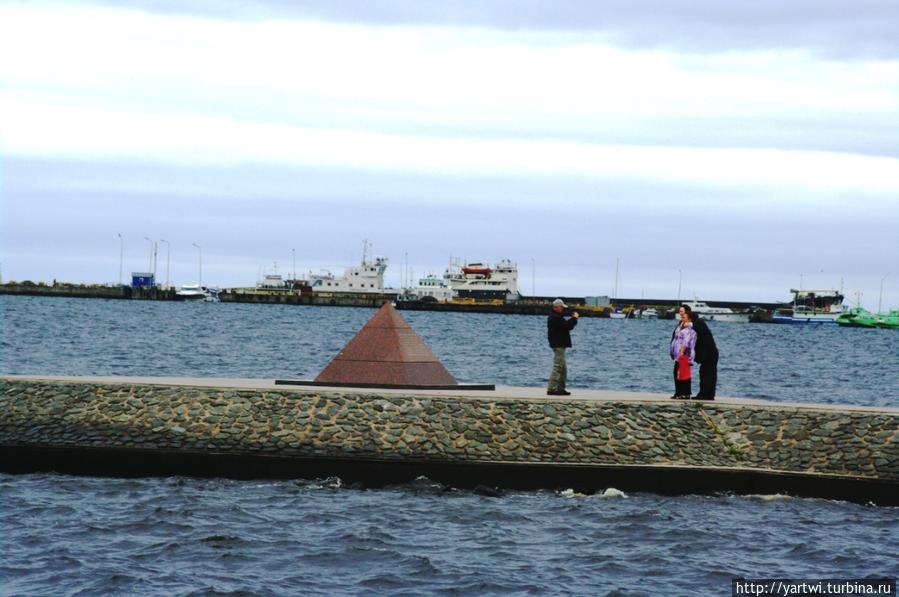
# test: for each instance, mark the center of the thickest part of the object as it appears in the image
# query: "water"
(176, 536)
(55, 336)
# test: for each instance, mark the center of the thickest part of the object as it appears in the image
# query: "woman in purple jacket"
(683, 342)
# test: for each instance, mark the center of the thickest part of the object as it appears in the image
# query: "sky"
(735, 149)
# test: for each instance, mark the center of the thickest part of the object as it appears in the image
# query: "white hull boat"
(723, 314)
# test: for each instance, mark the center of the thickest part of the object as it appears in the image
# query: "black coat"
(557, 328)
(706, 350)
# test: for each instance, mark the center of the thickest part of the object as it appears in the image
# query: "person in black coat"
(558, 333)
(706, 356)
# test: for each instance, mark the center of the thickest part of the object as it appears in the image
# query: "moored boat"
(857, 318)
(191, 292)
(724, 314)
(479, 281)
(889, 320)
(861, 318)
(817, 307)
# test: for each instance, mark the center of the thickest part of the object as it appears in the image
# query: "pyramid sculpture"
(387, 353)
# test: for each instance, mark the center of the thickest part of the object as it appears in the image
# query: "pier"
(510, 437)
(526, 305)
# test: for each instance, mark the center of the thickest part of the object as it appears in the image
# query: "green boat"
(889, 320)
(862, 318)
(857, 318)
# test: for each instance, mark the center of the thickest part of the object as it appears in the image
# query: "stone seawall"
(666, 446)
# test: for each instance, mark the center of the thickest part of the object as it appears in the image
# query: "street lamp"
(121, 256)
(880, 298)
(152, 257)
(533, 277)
(168, 254)
(200, 270)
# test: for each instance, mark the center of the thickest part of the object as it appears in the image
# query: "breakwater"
(376, 437)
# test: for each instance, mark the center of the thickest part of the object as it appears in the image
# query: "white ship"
(717, 313)
(480, 281)
(366, 277)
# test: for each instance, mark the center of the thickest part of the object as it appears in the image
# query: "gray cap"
(559, 303)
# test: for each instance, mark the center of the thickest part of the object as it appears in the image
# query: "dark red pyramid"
(386, 352)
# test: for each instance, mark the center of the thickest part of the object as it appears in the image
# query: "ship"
(816, 307)
(366, 277)
(482, 282)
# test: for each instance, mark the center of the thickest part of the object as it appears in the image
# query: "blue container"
(143, 280)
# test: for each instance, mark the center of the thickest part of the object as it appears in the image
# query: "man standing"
(557, 329)
(706, 356)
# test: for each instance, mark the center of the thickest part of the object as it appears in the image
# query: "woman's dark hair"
(693, 316)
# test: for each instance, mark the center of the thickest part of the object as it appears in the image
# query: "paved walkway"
(528, 393)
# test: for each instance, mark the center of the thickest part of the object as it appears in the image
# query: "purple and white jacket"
(684, 337)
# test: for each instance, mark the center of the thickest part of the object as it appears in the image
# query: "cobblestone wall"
(365, 424)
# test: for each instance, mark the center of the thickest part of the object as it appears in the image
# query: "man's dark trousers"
(708, 375)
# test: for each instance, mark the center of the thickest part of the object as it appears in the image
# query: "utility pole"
(680, 277)
(121, 256)
(880, 298)
(168, 254)
(533, 277)
(200, 267)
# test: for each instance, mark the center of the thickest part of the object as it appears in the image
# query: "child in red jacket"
(682, 386)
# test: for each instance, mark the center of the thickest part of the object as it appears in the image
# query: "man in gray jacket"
(557, 330)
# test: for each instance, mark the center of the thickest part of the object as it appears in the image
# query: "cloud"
(839, 29)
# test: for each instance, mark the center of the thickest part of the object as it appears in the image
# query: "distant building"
(597, 301)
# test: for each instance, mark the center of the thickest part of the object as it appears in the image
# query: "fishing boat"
(889, 320)
(857, 317)
(649, 313)
(724, 314)
(817, 307)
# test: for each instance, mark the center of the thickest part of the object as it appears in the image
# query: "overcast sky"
(743, 148)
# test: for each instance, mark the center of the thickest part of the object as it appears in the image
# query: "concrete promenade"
(511, 437)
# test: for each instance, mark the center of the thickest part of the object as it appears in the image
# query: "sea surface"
(64, 535)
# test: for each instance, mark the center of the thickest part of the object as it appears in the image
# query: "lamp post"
(168, 255)
(533, 277)
(200, 261)
(880, 298)
(152, 257)
(121, 256)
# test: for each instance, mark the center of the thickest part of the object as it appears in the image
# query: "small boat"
(649, 313)
(477, 269)
(191, 292)
(724, 314)
(617, 315)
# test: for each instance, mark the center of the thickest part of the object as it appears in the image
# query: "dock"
(511, 437)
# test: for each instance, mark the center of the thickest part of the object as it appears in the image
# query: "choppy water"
(63, 535)
(98, 337)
